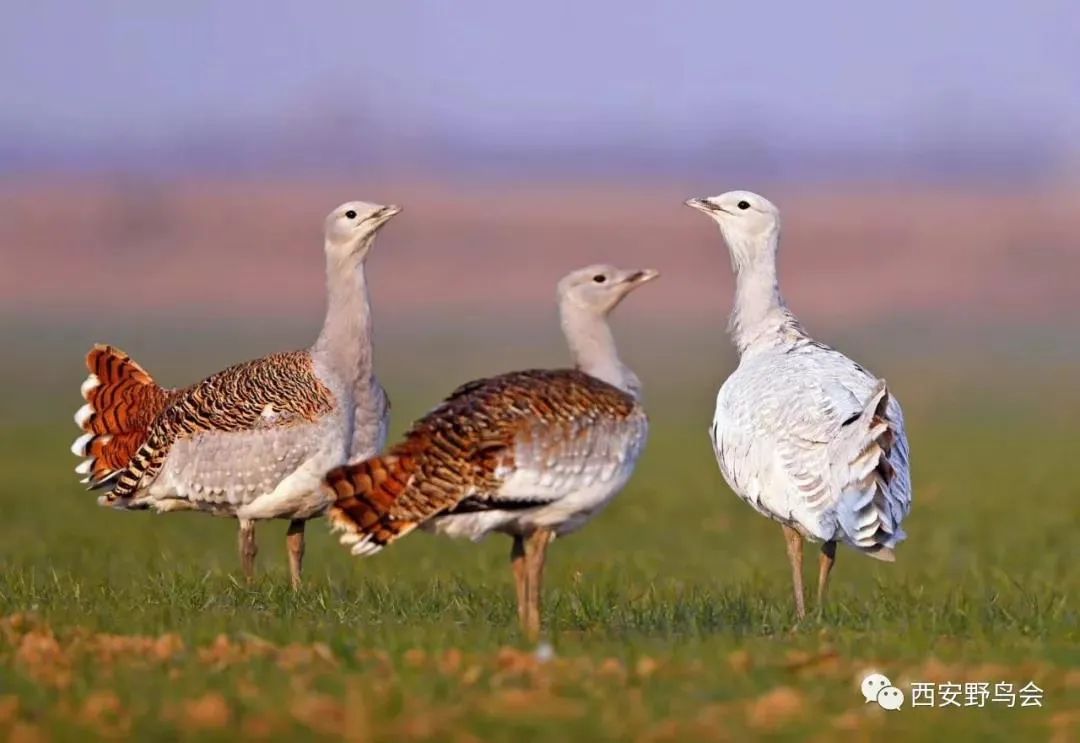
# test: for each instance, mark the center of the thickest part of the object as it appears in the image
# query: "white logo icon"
(890, 698)
(878, 688)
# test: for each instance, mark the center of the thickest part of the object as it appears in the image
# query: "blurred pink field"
(852, 255)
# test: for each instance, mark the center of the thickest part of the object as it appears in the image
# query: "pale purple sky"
(547, 73)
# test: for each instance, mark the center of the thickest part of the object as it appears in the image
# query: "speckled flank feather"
(461, 457)
(122, 402)
(272, 392)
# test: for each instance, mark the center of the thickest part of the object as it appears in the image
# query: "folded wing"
(515, 441)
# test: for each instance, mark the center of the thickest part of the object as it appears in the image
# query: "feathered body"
(811, 439)
(512, 453)
(801, 432)
(252, 441)
(233, 439)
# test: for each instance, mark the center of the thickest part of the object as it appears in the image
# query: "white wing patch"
(557, 477)
(552, 465)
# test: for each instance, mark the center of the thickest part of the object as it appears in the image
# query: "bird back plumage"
(278, 390)
(464, 451)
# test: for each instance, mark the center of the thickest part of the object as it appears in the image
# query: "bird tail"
(365, 497)
(122, 401)
(865, 514)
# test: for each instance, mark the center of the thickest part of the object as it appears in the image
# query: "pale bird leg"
(521, 576)
(794, 552)
(825, 566)
(248, 548)
(294, 541)
(536, 553)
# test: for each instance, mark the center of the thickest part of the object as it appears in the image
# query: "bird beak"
(703, 205)
(637, 278)
(384, 215)
(368, 228)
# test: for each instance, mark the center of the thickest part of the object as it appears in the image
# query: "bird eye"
(744, 204)
(599, 278)
(350, 214)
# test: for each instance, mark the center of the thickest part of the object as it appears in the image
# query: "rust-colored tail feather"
(122, 400)
(366, 494)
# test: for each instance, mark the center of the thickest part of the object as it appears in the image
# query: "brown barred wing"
(463, 452)
(275, 391)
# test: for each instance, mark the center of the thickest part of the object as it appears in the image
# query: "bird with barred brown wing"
(253, 441)
(531, 454)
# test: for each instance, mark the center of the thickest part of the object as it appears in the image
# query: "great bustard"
(802, 433)
(254, 440)
(532, 454)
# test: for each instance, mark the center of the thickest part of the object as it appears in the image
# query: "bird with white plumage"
(802, 433)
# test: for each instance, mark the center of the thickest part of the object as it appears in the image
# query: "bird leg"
(521, 576)
(794, 553)
(825, 565)
(294, 541)
(248, 548)
(535, 555)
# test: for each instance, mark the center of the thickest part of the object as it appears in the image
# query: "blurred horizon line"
(854, 254)
(336, 144)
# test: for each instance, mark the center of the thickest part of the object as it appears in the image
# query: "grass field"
(670, 615)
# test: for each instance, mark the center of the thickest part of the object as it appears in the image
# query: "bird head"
(599, 288)
(351, 228)
(749, 223)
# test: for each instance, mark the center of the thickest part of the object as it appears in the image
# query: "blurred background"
(165, 169)
(164, 172)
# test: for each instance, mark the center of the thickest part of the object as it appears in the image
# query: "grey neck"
(345, 344)
(592, 347)
(760, 318)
